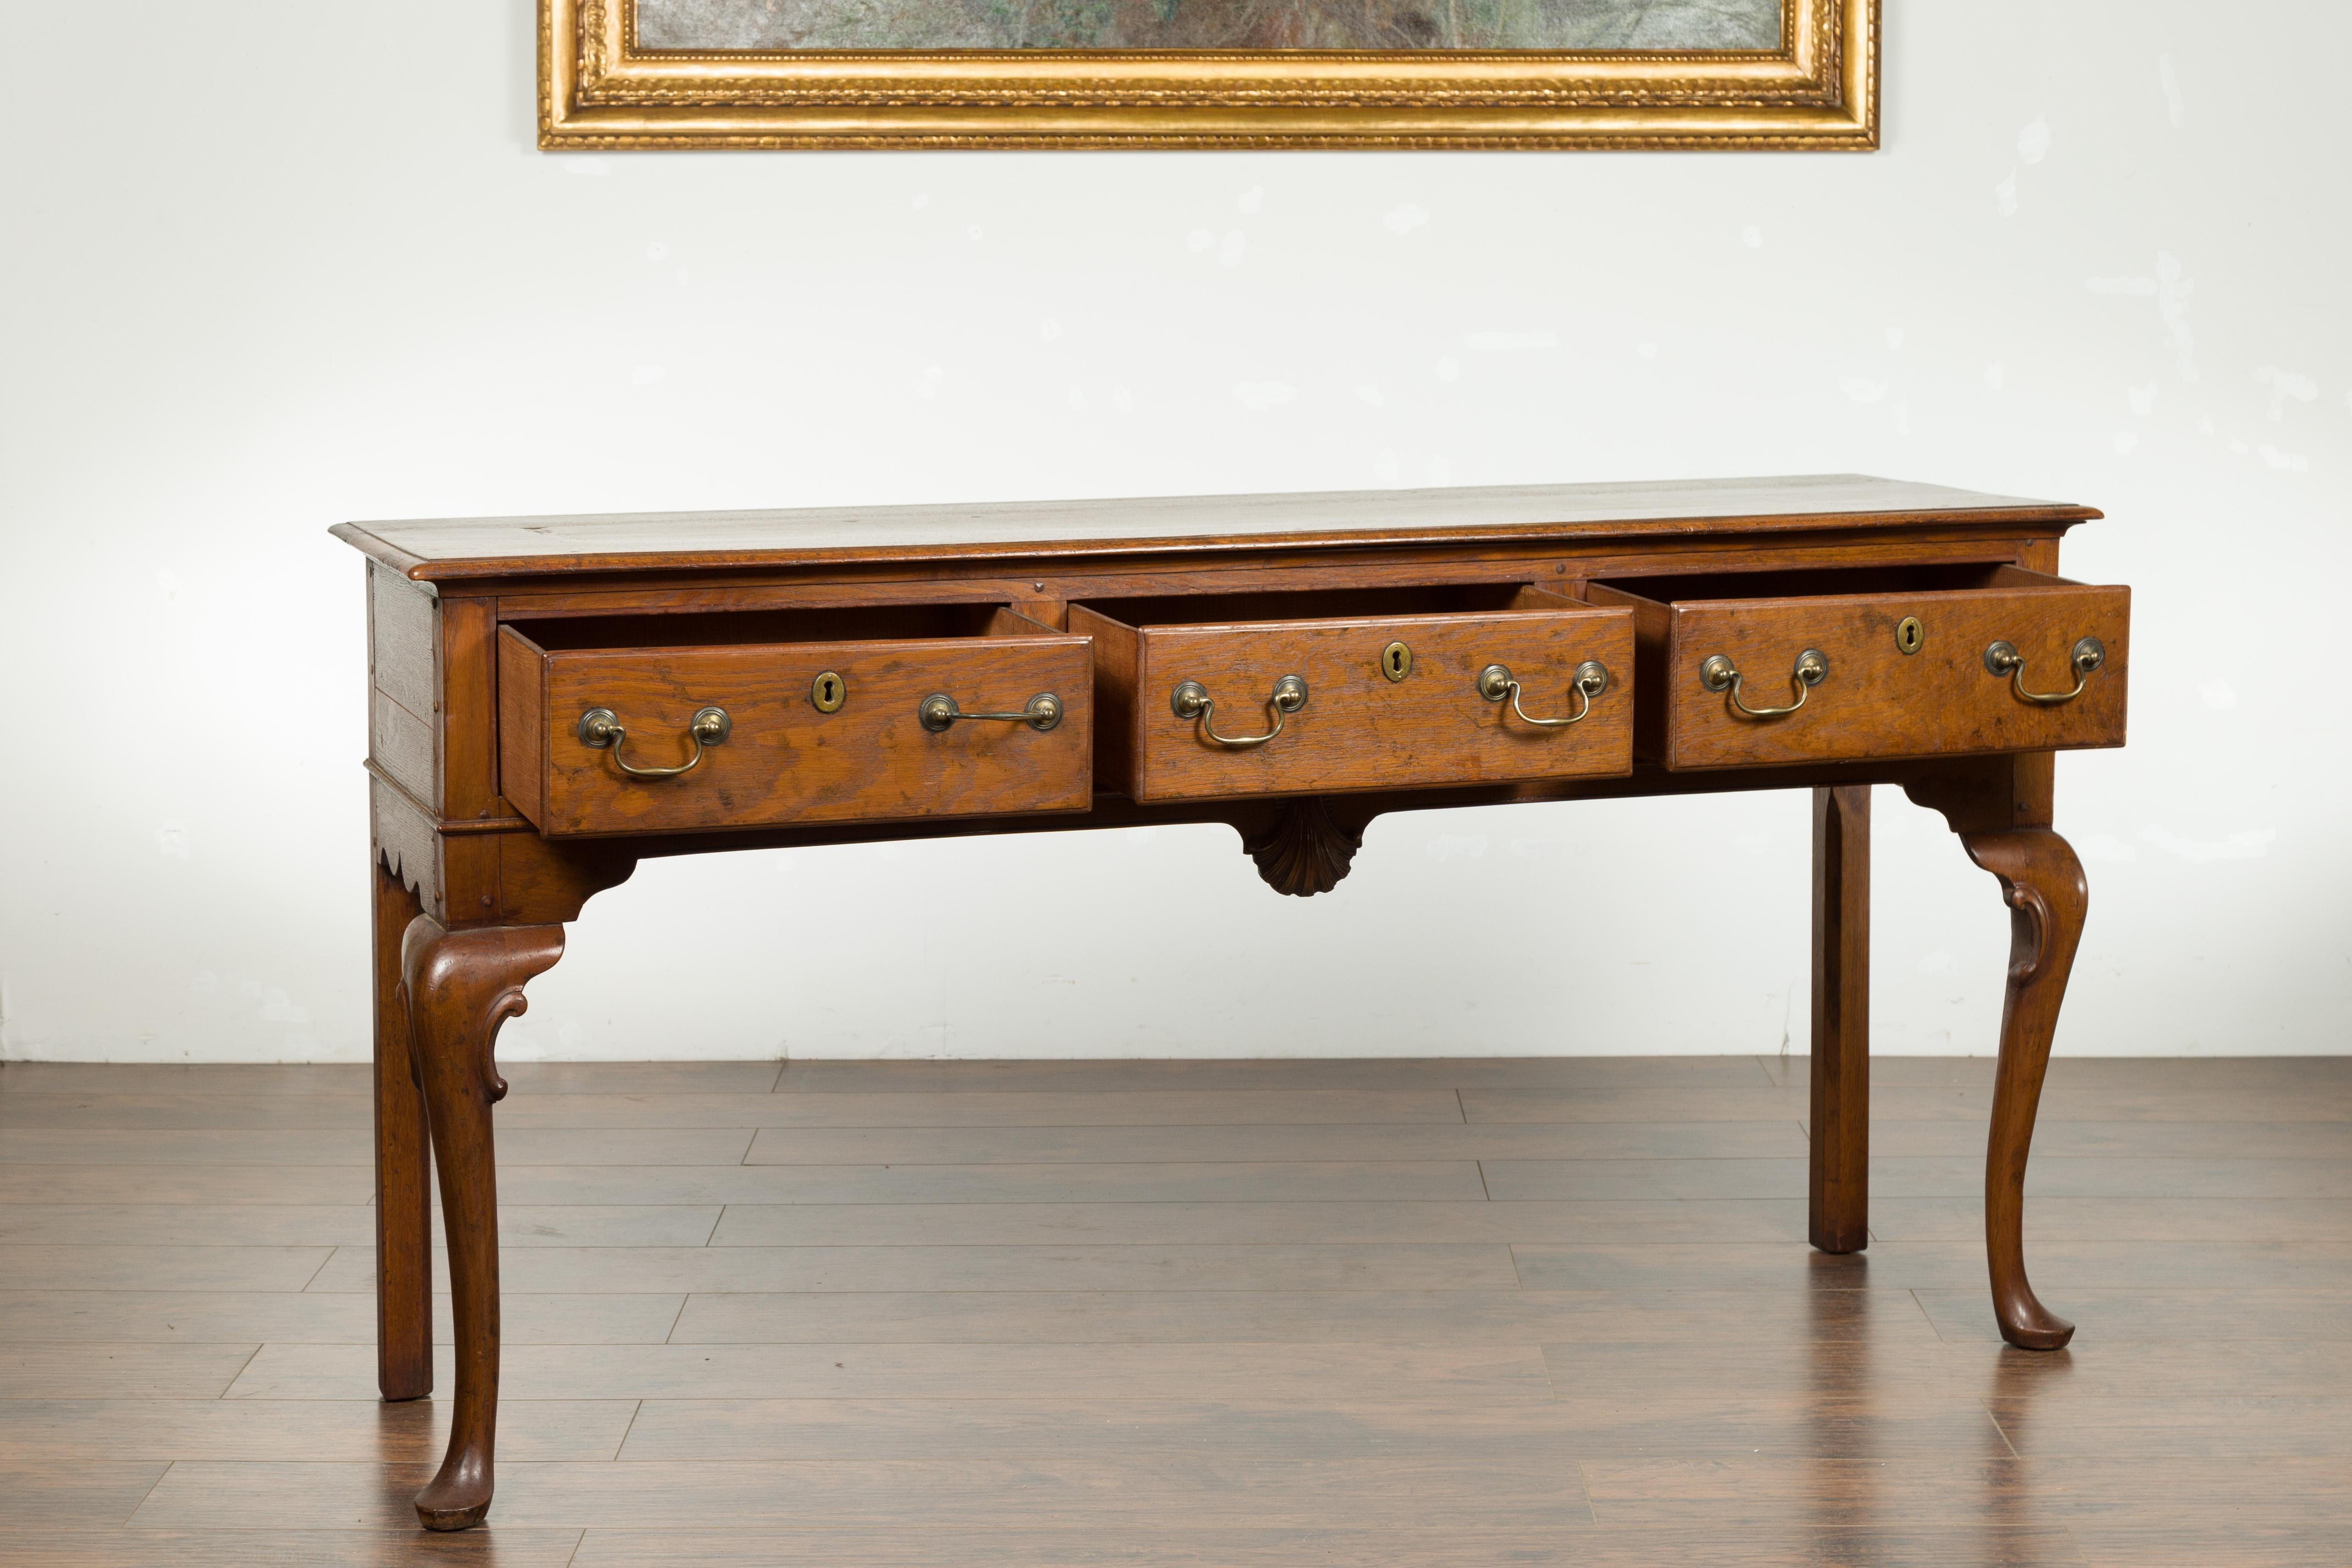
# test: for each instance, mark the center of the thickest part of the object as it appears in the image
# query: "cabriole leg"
(461, 985)
(1840, 1186)
(2042, 884)
(404, 1222)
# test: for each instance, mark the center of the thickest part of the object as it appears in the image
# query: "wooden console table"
(554, 699)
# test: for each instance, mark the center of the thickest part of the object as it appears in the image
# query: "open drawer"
(1844, 663)
(1223, 694)
(665, 723)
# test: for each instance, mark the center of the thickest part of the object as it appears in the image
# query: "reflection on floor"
(1441, 1312)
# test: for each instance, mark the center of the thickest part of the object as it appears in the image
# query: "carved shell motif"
(1306, 851)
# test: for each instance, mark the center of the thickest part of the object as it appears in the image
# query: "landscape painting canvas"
(1675, 25)
(1534, 75)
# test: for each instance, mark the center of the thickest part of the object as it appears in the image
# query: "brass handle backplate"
(1718, 674)
(939, 712)
(2003, 659)
(1191, 700)
(601, 729)
(1592, 678)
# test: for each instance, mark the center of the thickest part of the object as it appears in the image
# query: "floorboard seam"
(637, 1410)
(1997, 1427)
(150, 1491)
(321, 1269)
(241, 1366)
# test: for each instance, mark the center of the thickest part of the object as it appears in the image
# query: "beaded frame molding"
(598, 90)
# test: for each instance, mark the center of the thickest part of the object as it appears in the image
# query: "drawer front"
(1876, 700)
(785, 762)
(1360, 730)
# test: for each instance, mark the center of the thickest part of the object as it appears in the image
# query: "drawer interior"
(1329, 604)
(738, 627)
(1830, 581)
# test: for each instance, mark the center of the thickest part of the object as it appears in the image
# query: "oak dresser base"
(486, 638)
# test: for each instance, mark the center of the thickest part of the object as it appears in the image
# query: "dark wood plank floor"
(899, 1315)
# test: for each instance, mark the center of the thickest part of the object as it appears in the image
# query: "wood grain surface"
(1877, 701)
(457, 549)
(786, 762)
(404, 682)
(1358, 729)
(1199, 1330)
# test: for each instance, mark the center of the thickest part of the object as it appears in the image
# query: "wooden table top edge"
(425, 551)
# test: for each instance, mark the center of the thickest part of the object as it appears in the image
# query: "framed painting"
(1773, 74)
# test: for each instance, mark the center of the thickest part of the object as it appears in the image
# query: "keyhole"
(1396, 660)
(1909, 635)
(828, 692)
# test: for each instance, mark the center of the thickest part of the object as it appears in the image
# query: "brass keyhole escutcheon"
(1909, 635)
(828, 692)
(1396, 660)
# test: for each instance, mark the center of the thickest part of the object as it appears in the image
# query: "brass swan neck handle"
(600, 729)
(1496, 682)
(1718, 674)
(1191, 700)
(2086, 656)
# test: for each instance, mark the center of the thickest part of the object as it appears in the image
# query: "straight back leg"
(1840, 1183)
(404, 1221)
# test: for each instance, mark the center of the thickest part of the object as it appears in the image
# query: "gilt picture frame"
(1531, 74)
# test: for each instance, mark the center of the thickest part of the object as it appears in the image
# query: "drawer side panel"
(522, 725)
(1115, 661)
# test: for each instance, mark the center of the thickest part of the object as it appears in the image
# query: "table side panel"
(403, 631)
(404, 670)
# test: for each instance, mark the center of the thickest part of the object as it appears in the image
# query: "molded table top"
(459, 549)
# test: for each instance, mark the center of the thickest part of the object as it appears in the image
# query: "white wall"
(271, 265)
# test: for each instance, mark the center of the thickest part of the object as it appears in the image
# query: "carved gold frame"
(598, 90)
